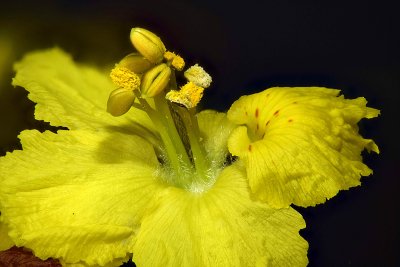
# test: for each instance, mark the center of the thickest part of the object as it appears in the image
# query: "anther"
(189, 95)
(198, 76)
(148, 44)
(155, 80)
(176, 61)
(124, 78)
(136, 63)
(120, 101)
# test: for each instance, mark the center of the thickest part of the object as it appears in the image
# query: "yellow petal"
(115, 263)
(215, 129)
(220, 227)
(300, 145)
(5, 240)
(70, 95)
(77, 195)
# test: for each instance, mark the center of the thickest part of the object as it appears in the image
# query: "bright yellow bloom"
(160, 183)
(96, 194)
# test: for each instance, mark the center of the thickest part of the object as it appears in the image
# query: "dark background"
(248, 46)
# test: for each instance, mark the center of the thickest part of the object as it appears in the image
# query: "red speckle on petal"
(290, 120)
(267, 123)
(249, 148)
(256, 114)
(276, 113)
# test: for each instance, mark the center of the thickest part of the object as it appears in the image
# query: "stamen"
(147, 75)
(169, 56)
(155, 80)
(148, 44)
(189, 95)
(120, 101)
(198, 76)
(176, 61)
(124, 78)
(136, 63)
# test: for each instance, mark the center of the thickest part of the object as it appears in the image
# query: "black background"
(248, 46)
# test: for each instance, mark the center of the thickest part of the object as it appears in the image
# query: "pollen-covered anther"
(198, 76)
(189, 95)
(169, 56)
(124, 78)
(176, 61)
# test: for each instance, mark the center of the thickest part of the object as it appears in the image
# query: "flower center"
(182, 156)
(146, 80)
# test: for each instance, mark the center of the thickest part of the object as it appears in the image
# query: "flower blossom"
(146, 177)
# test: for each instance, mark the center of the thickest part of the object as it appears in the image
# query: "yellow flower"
(96, 194)
(159, 184)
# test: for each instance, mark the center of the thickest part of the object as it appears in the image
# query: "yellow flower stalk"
(162, 183)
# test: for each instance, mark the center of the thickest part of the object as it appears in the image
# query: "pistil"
(175, 153)
(193, 132)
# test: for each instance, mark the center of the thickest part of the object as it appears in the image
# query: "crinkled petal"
(215, 128)
(300, 145)
(5, 240)
(115, 263)
(220, 227)
(71, 95)
(77, 195)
